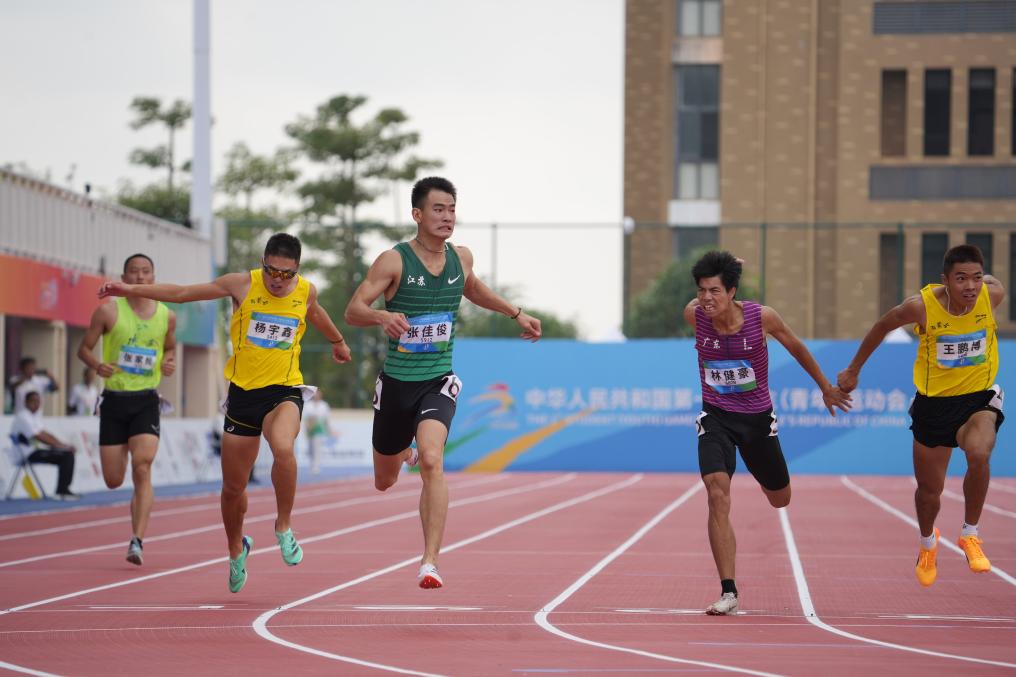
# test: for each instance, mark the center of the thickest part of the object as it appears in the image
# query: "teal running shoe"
(292, 553)
(237, 568)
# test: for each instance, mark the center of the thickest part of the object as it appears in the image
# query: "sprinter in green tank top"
(138, 349)
(423, 281)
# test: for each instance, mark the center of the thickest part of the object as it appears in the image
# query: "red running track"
(545, 573)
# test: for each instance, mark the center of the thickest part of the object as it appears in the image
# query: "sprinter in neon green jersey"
(272, 306)
(423, 281)
(138, 348)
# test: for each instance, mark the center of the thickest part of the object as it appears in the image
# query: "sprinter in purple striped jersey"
(737, 412)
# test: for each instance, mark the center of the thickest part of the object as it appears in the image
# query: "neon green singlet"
(135, 346)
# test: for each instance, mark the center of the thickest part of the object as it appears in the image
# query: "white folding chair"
(18, 453)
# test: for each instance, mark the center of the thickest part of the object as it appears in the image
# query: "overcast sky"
(522, 100)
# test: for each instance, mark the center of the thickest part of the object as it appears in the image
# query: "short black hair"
(33, 392)
(423, 187)
(139, 255)
(284, 245)
(722, 264)
(25, 361)
(964, 253)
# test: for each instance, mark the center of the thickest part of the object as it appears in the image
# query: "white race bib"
(427, 334)
(961, 350)
(272, 331)
(137, 360)
(729, 376)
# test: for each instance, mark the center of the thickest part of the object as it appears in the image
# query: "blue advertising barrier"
(566, 405)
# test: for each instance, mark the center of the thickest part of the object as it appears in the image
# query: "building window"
(688, 240)
(981, 112)
(894, 113)
(697, 132)
(937, 90)
(933, 249)
(699, 18)
(983, 241)
(890, 259)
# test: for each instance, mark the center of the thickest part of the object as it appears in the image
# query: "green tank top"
(431, 304)
(135, 347)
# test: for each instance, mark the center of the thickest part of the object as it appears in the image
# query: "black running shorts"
(126, 413)
(755, 435)
(936, 420)
(399, 406)
(246, 409)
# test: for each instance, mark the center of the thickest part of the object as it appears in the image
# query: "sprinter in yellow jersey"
(271, 309)
(958, 403)
(138, 348)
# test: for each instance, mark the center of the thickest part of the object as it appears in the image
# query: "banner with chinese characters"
(568, 405)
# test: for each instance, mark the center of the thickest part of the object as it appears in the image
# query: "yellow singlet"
(956, 355)
(266, 332)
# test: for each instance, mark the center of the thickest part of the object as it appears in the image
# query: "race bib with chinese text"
(272, 331)
(962, 350)
(137, 360)
(729, 376)
(427, 334)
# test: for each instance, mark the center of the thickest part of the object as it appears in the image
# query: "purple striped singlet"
(734, 369)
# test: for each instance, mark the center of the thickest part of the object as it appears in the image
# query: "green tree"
(659, 311)
(245, 175)
(147, 111)
(157, 200)
(355, 164)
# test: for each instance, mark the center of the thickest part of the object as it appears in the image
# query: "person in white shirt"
(27, 428)
(84, 395)
(30, 378)
(315, 422)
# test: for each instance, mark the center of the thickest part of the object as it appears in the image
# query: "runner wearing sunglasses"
(271, 309)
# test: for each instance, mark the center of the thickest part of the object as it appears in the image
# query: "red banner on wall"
(46, 292)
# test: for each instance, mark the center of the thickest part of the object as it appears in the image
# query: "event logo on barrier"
(567, 405)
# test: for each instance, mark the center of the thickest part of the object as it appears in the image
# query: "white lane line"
(542, 615)
(313, 539)
(260, 624)
(987, 506)
(250, 520)
(257, 495)
(26, 671)
(864, 493)
(809, 608)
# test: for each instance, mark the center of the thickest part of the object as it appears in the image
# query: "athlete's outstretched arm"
(383, 276)
(102, 321)
(227, 285)
(774, 325)
(318, 316)
(910, 311)
(485, 297)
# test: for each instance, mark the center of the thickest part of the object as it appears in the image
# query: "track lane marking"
(867, 495)
(808, 608)
(542, 616)
(260, 624)
(261, 497)
(312, 539)
(249, 520)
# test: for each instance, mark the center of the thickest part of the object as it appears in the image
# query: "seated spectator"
(84, 395)
(29, 378)
(27, 427)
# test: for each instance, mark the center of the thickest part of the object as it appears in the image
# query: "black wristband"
(512, 317)
(338, 340)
